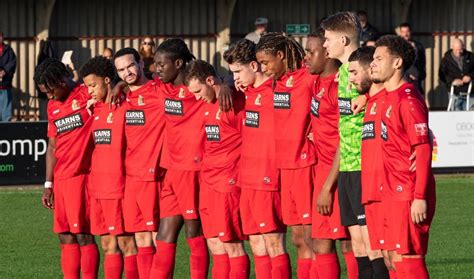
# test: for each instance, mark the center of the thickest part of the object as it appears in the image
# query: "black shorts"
(350, 198)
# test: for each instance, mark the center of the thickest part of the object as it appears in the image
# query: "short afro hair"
(243, 52)
(99, 66)
(398, 46)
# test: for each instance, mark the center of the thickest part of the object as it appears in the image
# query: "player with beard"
(144, 132)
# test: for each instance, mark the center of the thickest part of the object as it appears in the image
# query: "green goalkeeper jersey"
(350, 126)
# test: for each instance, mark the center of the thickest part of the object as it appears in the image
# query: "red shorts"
(261, 212)
(140, 205)
(220, 214)
(106, 216)
(180, 194)
(71, 206)
(374, 217)
(326, 226)
(399, 231)
(296, 195)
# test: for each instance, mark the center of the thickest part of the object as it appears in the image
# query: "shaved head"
(457, 46)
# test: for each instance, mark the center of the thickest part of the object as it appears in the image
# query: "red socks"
(412, 268)
(145, 260)
(351, 264)
(163, 262)
(263, 267)
(239, 267)
(328, 266)
(70, 261)
(304, 267)
(89, 261)
(131, 267)
(281, 267)
(113, 266)
(220, 267)
(199, 258)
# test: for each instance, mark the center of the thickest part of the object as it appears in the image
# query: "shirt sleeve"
(51, 127)
(414, 118)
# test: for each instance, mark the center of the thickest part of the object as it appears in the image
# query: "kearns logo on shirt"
(281, 100)
(174, 107)
(75, 105)
(103, 136)
(68, 123)
(368, 130)
(289, 82)
(213, 133)
(135, 118)
(252, 118)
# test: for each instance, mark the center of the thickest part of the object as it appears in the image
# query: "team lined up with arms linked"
(329, 140)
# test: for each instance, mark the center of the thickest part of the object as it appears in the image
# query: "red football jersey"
(144, 131)
(106, 179)
(70, 123)
(404, 125)
(372, 172)
(184, 142)
(325, 119)
(221, 161)
(291, 102)
(258, 162)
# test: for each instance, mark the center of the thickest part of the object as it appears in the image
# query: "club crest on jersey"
(373, 109)
(213, 133)
(388, 112)
(252, 118)
(181, 93)
(258, 100)
(421, 129)
(218, 114)
(289, 82)
(75, 105)
(320, 93)
(110, 118)
(141, 100)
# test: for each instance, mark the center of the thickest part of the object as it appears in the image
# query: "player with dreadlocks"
(182, 157)
(67, 167)
(281, 58)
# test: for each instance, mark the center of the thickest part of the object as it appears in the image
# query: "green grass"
(29, 249)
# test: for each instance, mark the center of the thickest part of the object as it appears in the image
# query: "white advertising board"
(454, 138)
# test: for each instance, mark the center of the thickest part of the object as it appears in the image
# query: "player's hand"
(418, 211)
(90, 103)
(358, 104)
(324, 202)
(457, 82)
(47, 198)
(240, 87)
(225, 98)
(413, 161)
(117, 91)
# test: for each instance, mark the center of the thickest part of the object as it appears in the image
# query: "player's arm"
(423, 162)
(118, 89)
(358, 103)
(47, 198)
(225, 98)
(325, 197)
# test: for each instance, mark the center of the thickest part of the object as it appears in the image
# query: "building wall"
(88, 26)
